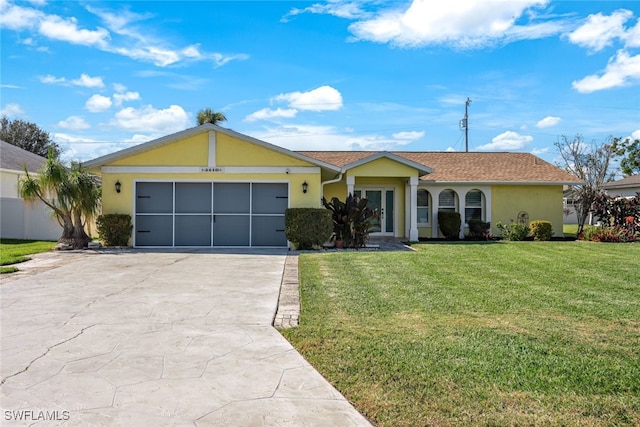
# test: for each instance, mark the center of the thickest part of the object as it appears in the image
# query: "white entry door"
(381, 200)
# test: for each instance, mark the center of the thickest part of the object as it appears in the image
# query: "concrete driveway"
(138, 338)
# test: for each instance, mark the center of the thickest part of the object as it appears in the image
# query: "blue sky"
(332, 75)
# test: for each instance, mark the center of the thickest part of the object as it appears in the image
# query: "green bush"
(352, 220)
(541, 230)
(307, 227)
(513, 231)
(479, 230)
(114, 229)
(449, 223)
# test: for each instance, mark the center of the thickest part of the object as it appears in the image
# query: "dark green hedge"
(449, 223)
(307, 227)
(114, 229)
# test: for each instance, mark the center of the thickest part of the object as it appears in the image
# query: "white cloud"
(12, 110)
(539, 151)
(461, 24)
(269, 114)
(632, 36)
(98, 103)
(599, 30)
(150, 120)
(348, 10)
(314, 137)
(58, 28)
(119, 87)
(324, 98)
(635, 134)
(620, 71)
(124, 39)
(87, 81)
(50, 79)
(408, 136)
(507, 141)
(119, 98)
(548, 122)
(14, 17)
(450, 149)
(74, 123)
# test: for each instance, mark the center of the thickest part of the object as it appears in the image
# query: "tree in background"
(72, 194)
(630, 150)
(589, 163)
(207, 115)
(27, 136)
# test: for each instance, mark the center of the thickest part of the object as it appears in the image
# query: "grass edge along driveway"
(14, 251)
(509, 333)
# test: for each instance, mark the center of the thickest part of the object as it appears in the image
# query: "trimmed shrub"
(541, 230)
(479, 230)
(114, 229)
(513, 231)
(307, 227)
(449, 223)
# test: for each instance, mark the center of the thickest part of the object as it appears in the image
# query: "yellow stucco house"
(212, 186)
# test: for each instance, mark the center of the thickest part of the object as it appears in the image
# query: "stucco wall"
(540, 202)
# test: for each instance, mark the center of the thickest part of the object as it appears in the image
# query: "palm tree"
(207, 115)
(72, 194)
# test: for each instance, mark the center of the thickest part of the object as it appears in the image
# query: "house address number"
(213, 170)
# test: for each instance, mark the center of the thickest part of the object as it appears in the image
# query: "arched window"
(423, 207)
(448, 201)
(474, 205)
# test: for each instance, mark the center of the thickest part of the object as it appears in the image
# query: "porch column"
(351, 181)
(413, 203)
(435, 200)
(462, 206)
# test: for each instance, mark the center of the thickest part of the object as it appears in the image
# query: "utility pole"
(465, 125)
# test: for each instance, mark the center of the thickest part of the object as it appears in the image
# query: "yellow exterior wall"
(541, 202)
(193, 151)
(232, 151)
(123, 202)
(383, 167)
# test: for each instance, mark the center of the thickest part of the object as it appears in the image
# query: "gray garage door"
(210, 214)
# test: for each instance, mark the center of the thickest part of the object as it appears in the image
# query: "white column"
(435, 201)
(413, 203)
(351, 181)
(462, 204)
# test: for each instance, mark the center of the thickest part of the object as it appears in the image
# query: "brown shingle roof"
(630, 181)
(465, 167)
(15, 158)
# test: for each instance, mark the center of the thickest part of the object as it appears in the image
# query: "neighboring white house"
(20, 219)
(624, 187)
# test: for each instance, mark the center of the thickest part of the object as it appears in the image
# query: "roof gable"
(630, 181)
(192, 132)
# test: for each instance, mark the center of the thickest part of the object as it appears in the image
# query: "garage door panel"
(154, 230)
(193, 197)
(193, 230)
(231, 230)
(269, 198)
(231, 198)
(268, 231)
(154, 197)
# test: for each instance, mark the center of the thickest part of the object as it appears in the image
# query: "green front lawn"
(13, 251)
(509, 333)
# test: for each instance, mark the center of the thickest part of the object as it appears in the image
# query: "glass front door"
(381, 200)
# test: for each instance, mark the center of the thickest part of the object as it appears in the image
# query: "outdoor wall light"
(118, 186)
(305, 186)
